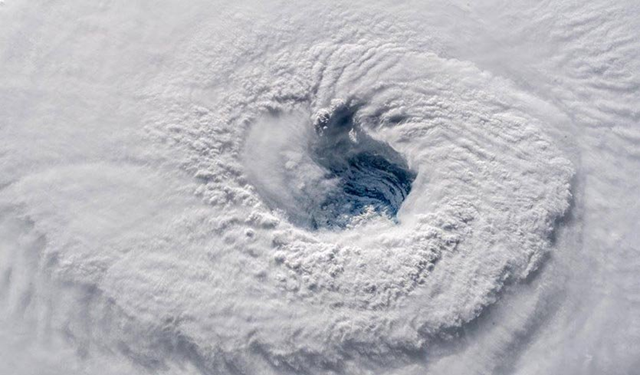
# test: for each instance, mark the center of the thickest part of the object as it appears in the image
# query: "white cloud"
(143, 148)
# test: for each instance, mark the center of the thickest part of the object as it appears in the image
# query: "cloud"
(160, 168)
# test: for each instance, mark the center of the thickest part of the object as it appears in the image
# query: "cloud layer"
(158, 175)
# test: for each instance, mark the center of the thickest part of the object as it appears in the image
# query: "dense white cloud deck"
(159, 174)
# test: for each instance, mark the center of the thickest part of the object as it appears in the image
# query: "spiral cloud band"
(275, 188)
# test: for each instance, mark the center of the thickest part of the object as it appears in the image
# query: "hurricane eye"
(327, 174)
(370, 175)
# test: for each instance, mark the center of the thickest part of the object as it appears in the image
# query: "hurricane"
(429, 187)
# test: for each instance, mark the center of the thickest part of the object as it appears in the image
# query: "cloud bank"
(361, 188)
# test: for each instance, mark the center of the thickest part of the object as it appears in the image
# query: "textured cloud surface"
(275, 188)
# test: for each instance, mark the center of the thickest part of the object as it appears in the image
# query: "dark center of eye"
(370, 175)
